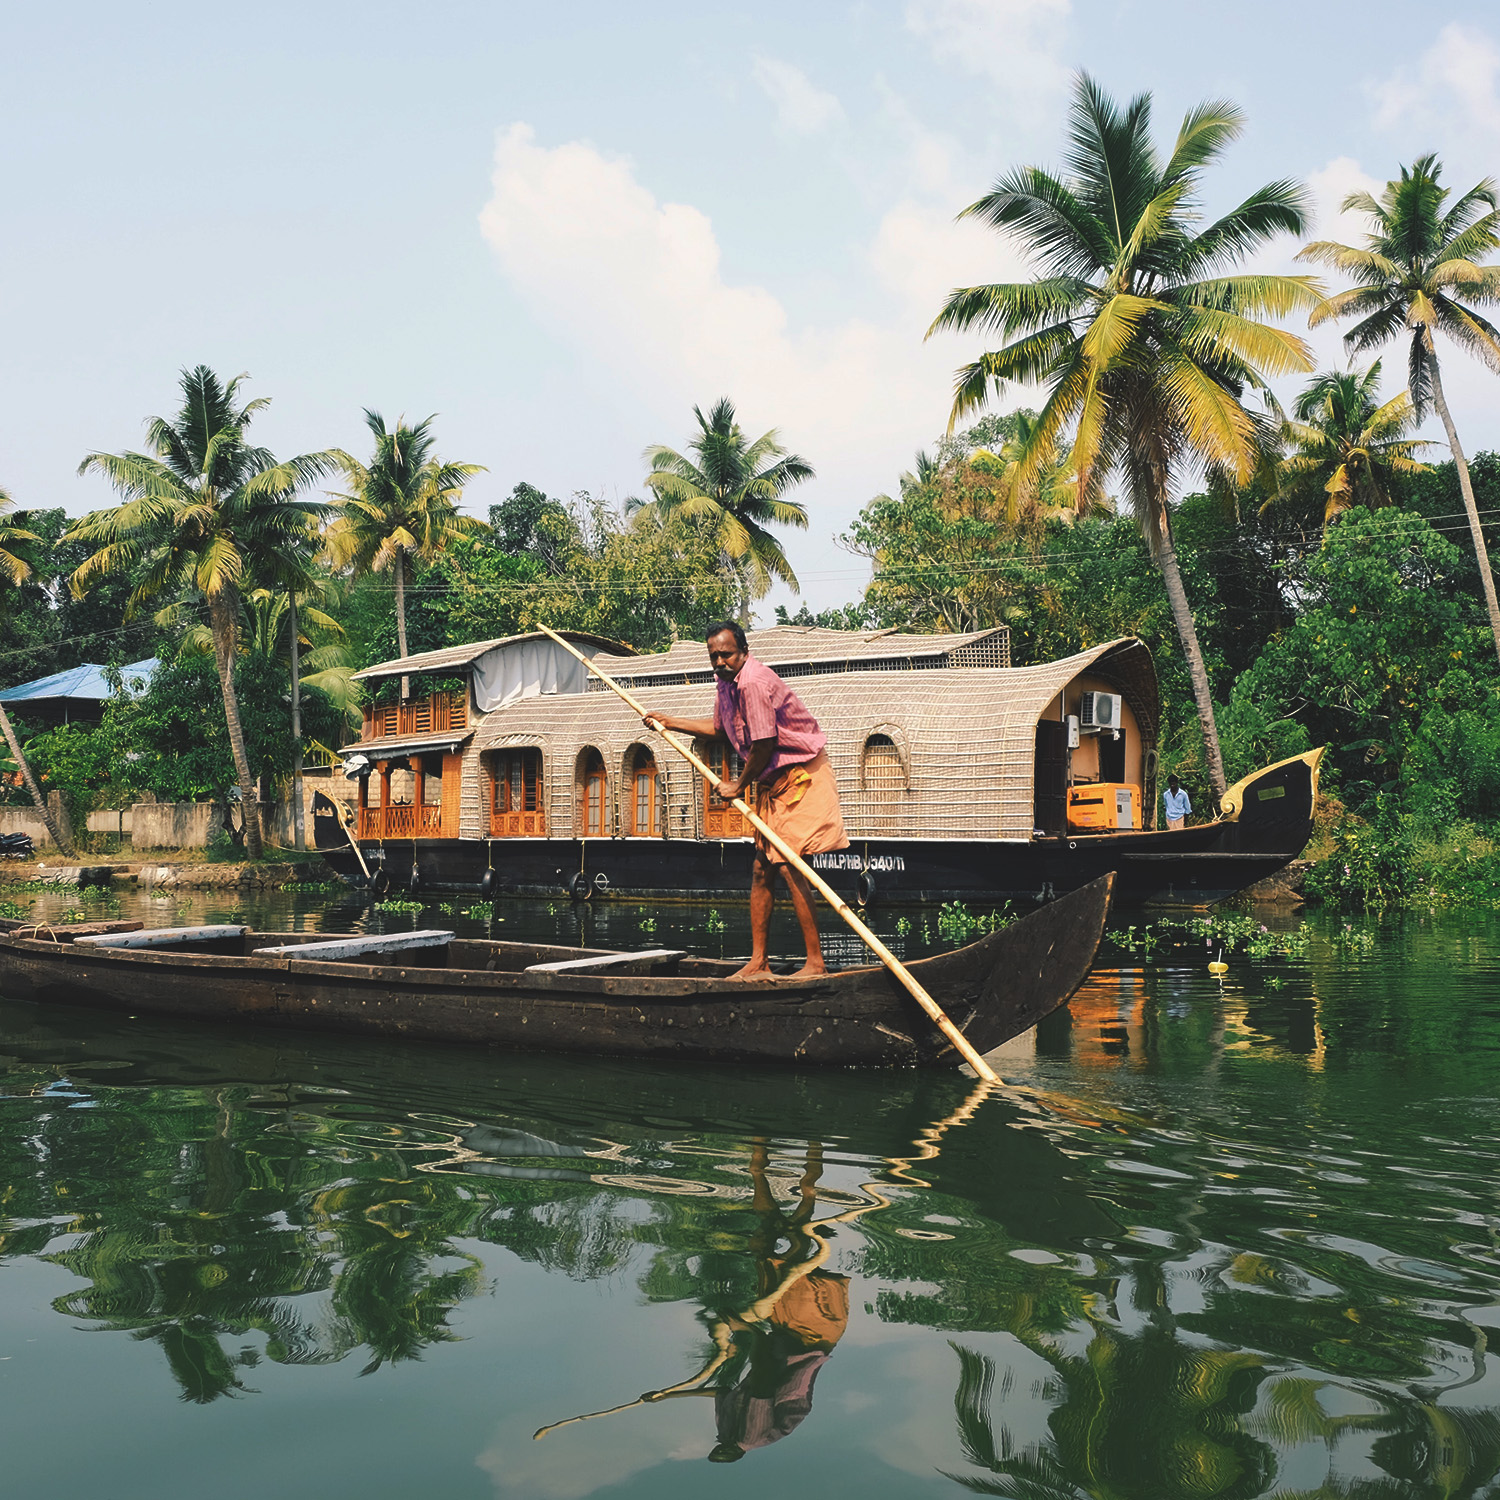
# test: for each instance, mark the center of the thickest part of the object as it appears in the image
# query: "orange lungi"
(802, 805)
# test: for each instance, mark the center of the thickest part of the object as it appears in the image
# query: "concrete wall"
(111, 820)
(173, 825)
(26, 820)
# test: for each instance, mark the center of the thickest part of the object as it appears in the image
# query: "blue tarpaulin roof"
(87, 682)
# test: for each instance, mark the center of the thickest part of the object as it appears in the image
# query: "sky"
(561, 227)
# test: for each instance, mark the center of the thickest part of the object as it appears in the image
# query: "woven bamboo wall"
(965, 737)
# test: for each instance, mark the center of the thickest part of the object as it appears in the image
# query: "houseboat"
(511, 769)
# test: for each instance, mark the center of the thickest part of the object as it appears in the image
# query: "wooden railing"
(438, 713)
(400, 822)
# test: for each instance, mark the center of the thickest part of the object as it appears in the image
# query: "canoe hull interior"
(993, 990)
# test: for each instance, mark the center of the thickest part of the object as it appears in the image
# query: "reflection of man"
(803, 1314)
(775, 1392)
(771, 730)
(1175, 803)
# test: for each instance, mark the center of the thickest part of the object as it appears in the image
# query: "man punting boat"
(781, 751)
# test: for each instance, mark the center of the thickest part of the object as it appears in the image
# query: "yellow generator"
(1103, 806)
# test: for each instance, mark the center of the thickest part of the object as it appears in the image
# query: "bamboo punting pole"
(884, 954)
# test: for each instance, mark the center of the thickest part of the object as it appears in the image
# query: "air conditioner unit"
(1099, 711)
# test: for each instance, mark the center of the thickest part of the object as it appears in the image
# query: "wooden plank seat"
(359, 947)
(608, 961)
(160, 937)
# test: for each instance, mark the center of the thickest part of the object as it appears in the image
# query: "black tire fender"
(865, 889)
(579, 887)
(487, 883)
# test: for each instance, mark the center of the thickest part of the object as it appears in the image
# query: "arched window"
(516, 808)
(720, 820)
(881, 769)
(642, 793)
(593, 795)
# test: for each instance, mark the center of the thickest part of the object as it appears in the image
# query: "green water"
(1219, 1238)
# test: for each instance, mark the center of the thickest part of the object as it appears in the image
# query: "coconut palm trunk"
(299, 831)
(224, 618)
(59, 834)
(1187, 634)
(1466, 487)
(401, 618)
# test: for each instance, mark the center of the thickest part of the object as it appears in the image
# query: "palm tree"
(734, 489)
(1347, 442)
(1419, 272)
(207, 515)
(16, 570)
(403, 504)
(1143, 341)
(283, 621)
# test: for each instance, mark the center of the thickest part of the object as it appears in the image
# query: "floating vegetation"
(481, 911)
(313, 887)
(1230, 933)
(396, 904)
(957, 924)
(1351, 939)
(714, 922)
(15, 911)
(903, 926)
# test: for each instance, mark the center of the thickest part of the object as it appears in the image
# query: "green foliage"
(1384, 665)
(713, 922)
(79, 760)
(44, 629)
(396, 903)
(164, 742)
(222, 848)
(580, 565)
(15, 911)
(1370, 865)
(1393, 861)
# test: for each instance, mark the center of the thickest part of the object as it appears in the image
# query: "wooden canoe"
(670, 1006)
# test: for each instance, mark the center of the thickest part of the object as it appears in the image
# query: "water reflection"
(1214, 1244)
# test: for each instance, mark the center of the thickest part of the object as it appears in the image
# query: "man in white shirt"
(1175, 803)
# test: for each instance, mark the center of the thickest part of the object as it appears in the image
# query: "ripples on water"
(1218, 1239)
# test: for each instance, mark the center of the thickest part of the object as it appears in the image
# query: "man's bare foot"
(755, 969)
(809, 970)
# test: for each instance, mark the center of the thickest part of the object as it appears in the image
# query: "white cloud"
(801, 109)
(920, 250)
(1015, 42)
(637, 286)
(1455, 83)
(1329, 187)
